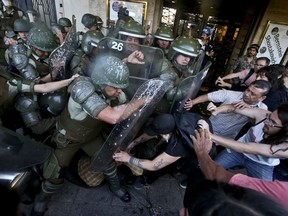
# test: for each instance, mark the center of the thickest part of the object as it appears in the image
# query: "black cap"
(255, 46)
(161, 124)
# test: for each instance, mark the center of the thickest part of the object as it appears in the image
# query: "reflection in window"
(168, 16)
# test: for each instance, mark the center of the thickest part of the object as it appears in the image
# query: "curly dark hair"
(282, 135)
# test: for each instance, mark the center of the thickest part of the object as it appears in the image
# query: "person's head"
(66, 23)
(89, 21)
(41, 40)
(252, 50)
(276, 125)
(90, 41)
(256, 92)
(111, 74)
(211, 198)
(22, 27)
(205, 34)
(132, 32)
(271, 73)
(58, 31)
(161, 125)
(182, 51)
(163, 37)
(261, 62)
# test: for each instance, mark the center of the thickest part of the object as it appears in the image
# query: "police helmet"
(54, 27)
(88, 20)
(132, 28)
(185, 46)
(164, 33)
(65, 22)
(110, 71)
(42, 38)
(21, 25)
(90, 40)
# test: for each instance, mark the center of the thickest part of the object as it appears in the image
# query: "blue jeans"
(228, 160)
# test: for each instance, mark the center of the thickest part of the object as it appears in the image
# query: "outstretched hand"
(121, 156)
(202, 141)
(220, 82)
(188, 104)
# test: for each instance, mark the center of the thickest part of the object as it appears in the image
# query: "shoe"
(140, 183)
(183, 184)
(122, 194)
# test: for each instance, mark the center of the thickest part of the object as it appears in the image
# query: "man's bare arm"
(211, 170)
(159, 162)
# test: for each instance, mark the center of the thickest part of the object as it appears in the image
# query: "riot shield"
(188, 88)
(124, 132)
(64, 53)
(18, 152)
(139, 73)
(195, 66)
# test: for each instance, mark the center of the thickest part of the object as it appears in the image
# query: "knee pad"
(28, 110)
(51, 168)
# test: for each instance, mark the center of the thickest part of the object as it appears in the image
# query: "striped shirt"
(229, 124)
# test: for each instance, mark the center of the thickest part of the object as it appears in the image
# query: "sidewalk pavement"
(164, 196)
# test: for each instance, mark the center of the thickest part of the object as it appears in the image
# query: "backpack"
(186, 124)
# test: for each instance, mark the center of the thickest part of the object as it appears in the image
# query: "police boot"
(110, 173)
(42, 199)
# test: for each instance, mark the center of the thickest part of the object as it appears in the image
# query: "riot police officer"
(66, 23)
(183, 53)
(163, 38)
(186, 58)
(90, 21)
(80, 124)
(42, 42)
(22, 27)
(38, 111)
(132, 32)
(86, 54)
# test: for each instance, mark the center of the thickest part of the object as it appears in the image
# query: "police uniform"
(79, 128)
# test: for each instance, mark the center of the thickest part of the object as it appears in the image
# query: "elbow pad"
(82, 89)
(83, 92)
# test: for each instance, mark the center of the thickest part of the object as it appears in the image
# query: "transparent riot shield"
(195, 65)
(139, 73)
(188, 88)
(124, 132)
(18, 152)
(64, 53)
